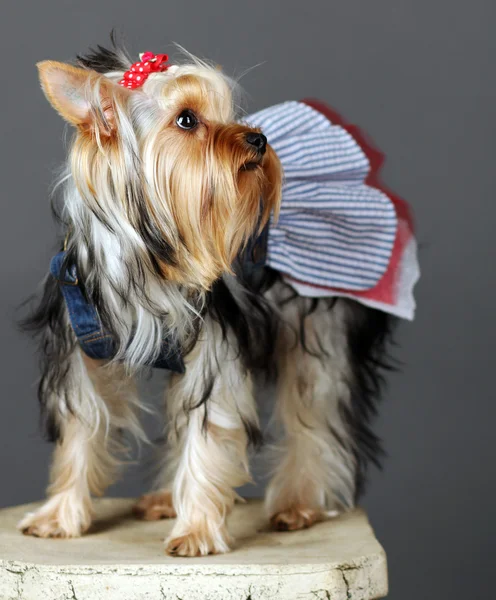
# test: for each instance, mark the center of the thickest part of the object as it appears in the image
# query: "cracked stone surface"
(123, 559)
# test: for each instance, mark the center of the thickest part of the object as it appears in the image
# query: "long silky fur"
(159, 222)
(368, 339)
(242, 312)
(370, 336)
(131, 294)
(56, 342)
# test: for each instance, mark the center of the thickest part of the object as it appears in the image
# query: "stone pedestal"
(123, 559)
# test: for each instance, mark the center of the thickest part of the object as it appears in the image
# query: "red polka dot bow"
(139, 71)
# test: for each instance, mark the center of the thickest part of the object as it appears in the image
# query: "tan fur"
(204, 488)
(207, 216)
(66, 88)
(88, 456)
(199, 540)
(209, 459)
(68, 510)
(155, 506)
(314, 465)
(129, 159)
(296, 517)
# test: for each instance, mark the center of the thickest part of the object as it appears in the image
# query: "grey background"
(418, 75)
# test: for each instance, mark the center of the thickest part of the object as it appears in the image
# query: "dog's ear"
(82, 97)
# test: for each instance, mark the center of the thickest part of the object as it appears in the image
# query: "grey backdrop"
(418, 75)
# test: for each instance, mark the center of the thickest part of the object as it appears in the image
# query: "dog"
(168, 212)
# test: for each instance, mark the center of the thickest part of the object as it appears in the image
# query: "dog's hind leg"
(100, 403)
(155, 505)
(327, 353)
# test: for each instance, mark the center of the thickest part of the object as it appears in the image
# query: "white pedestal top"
(123, 559)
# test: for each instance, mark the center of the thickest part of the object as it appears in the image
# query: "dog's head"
(166, 165)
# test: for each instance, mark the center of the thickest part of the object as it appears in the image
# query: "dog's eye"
(187, 120)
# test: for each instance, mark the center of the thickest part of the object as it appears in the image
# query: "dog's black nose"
(258, 140)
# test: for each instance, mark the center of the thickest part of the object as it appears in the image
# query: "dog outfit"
(339, 232)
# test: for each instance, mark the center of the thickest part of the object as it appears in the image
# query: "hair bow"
(140, 71)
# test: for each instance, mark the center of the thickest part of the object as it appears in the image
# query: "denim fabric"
(92, 337)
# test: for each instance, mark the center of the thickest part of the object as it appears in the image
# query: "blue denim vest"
(97, 343)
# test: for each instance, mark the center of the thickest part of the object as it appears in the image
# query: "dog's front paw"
(45, 526)
(198, 542)
(152, 507)
(296, 517)
(54, 520)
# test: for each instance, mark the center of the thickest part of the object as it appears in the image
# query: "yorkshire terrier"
(171, 258)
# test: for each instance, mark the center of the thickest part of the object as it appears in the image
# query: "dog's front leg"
(100, 401)
(214, 408)
(67, 511)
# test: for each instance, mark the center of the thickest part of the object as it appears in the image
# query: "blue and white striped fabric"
(334, 230)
